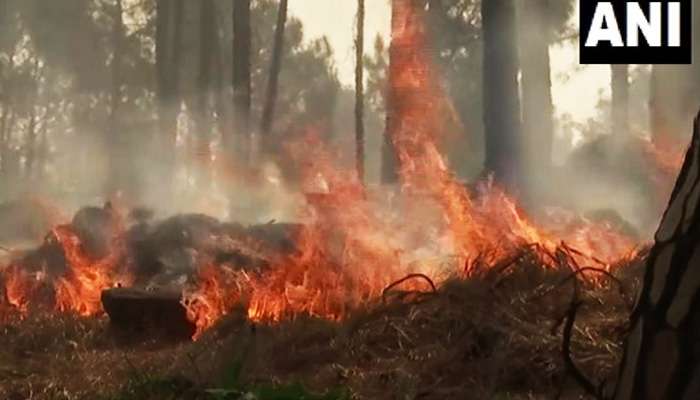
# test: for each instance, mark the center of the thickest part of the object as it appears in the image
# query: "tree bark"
(169, 29)
(661, 358)
(273, 81)
(538, 109)
(620, 99)
(207, 39)
(501, 94)
(390, 162)
(31, 142)
(242, 47)
(360, 92)
(115, 144)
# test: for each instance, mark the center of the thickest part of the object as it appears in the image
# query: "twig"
(579, 253)
(580, 378)
(621, 286)
(510, 262)
(407, 278)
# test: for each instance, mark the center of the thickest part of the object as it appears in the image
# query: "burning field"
(431, 289)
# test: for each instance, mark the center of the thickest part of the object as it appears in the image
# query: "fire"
(213, 299)
(80, 289)
(18, 288)
(357, 242)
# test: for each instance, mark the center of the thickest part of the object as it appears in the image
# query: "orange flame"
(356, 241)
(80, 290)
(354, 244)
(18, 288)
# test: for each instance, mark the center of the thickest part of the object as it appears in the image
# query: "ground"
(497, 335)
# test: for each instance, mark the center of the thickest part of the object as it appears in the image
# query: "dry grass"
(495, 336)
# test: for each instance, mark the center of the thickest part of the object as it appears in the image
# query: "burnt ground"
(495, 336)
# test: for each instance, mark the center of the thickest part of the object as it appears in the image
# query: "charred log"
(144, 312)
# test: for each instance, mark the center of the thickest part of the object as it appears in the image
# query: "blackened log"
(148, 312)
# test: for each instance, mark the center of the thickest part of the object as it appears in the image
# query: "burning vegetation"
(427, 286)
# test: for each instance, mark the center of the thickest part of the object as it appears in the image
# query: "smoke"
(69, 103)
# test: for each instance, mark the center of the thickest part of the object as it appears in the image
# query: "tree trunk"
(168, 53)
(242, 47)
(273, 81)
(620, 99)
(501, 94)
(203, 118)
(31, 142)
(390, 162)
(30, 146)
(3, 141)
(661, 358)
(538, 110)
(360, 92)
(222, 114)
(115, 143)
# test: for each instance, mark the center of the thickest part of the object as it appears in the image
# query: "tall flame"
(80, 287)
(357, 242)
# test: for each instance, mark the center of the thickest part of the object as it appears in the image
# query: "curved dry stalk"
(408, 278)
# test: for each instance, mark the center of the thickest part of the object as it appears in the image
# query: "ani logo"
(636, 32)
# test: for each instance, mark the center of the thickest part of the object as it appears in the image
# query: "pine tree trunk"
(31, 142)
(30, 146)
(662, 356)
(390, 162)
(538, 109)
(242, 48)
(207, 38)
(3, 141)
(620, 99)
(501, 94)
(223, 117)
(273, 81)
(114, 143)
(169, 29)
(360, 92)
